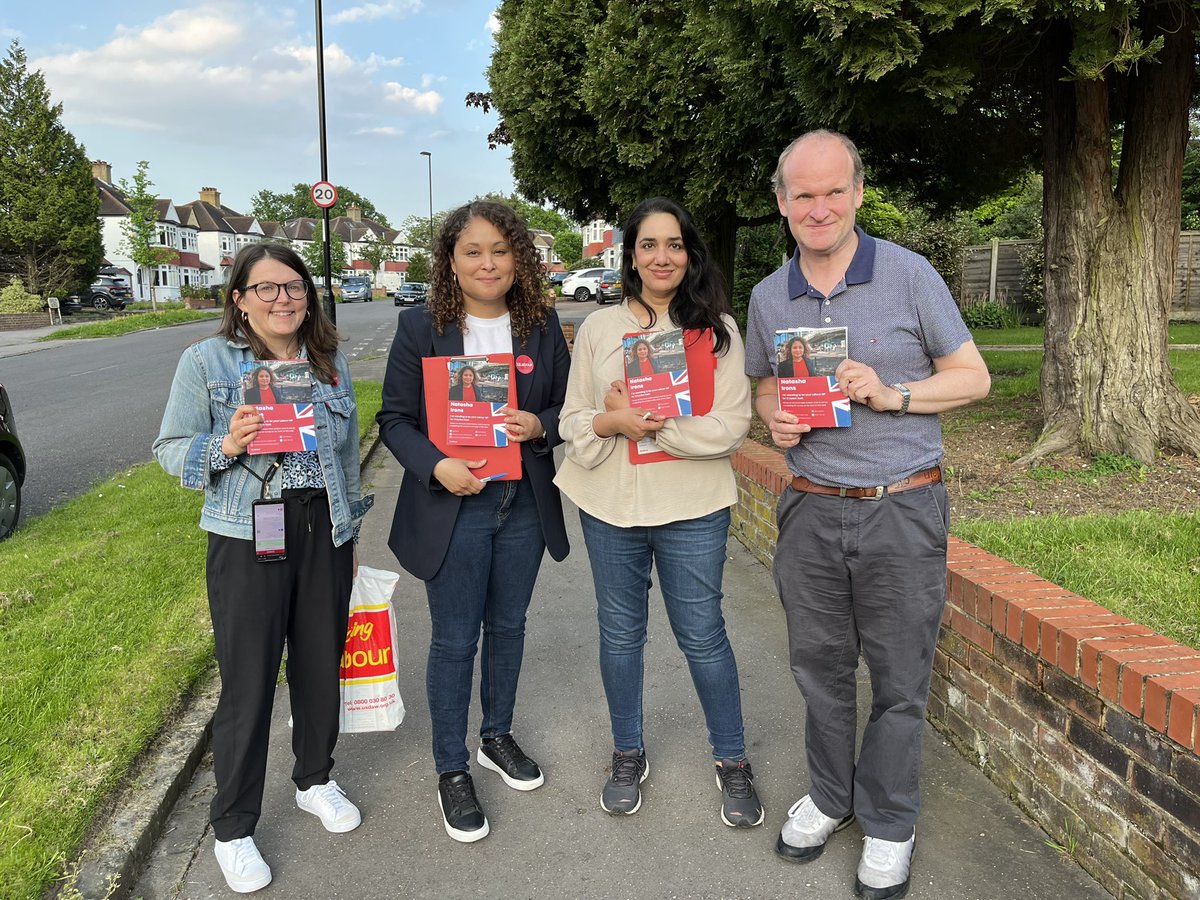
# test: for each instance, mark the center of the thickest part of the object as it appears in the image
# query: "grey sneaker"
(883, 868)
(622, 792)
(806, 831)
(740, 805)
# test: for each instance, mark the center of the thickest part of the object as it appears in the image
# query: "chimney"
(102, 171)
(210, 195)
(354, 211)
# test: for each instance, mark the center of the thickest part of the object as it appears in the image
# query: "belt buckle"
(878, 495)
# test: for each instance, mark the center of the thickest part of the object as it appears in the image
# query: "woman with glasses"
(281, 530)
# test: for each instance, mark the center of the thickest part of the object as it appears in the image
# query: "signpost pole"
(330, 309)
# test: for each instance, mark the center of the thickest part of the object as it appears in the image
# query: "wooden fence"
(993, 272)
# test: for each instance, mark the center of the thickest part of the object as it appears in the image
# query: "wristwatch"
(905, 399)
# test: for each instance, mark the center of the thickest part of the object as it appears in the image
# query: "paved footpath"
(555, 841)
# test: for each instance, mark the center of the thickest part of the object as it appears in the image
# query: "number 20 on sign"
(324, 194)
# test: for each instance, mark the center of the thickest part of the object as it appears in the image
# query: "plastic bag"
(370, 685)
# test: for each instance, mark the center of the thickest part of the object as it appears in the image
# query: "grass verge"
(126, 324)
(105, 622)
(1034, 335)
(1141, 565)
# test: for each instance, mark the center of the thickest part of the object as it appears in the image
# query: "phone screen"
(269, 539)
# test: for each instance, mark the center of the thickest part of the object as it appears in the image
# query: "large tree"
(937, 82)
(49, 230)
(607, 103)
(313, 254)
(280, 206)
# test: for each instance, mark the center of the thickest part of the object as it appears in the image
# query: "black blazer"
(426, 511)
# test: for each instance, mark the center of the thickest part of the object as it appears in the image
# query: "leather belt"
(916, 480)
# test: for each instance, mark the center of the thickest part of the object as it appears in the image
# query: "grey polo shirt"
(899, 317)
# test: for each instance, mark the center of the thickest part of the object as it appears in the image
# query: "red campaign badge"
(524, 364)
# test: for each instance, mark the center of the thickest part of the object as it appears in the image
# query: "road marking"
(92, 371)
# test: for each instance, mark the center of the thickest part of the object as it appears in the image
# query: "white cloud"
(369, 12)
(375, 62)
(413, 99)
(10, 34)
(382, 131)
(493, 23)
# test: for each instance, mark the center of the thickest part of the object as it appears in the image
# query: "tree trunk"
(1110, 254)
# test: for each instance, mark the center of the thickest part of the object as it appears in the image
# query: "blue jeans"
(484, 583)
(690, 556)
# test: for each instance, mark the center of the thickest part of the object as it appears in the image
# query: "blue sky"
(222, 93)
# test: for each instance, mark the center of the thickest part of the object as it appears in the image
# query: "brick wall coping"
(1149, 676)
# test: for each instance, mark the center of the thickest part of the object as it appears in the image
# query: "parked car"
(410, 293)
(601, 285)
(12, 468)
(68, 305)
(356, 289)
(556, 278)
(106, 292)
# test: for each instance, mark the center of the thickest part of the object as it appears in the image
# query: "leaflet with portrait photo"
(805, 361)
(656, 372)
(477, 394)
(281, 390)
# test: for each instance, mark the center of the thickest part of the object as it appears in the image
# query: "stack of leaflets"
(806, 359)
(280, 389)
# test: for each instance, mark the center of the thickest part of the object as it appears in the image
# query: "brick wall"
(1087, 720)
(21, 321)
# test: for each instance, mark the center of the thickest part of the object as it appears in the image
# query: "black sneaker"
(461, 811)
(622, 792)
(505, 758)
(739, 802)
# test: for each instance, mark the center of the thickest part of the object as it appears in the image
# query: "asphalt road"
(86, 410)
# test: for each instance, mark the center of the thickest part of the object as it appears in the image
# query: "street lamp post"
(330, 309)
(429, 159)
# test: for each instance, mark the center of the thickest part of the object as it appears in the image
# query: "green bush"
(193, 292)
(984, 315)
(15, 299)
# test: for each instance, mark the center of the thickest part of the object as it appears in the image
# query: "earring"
(245, 316)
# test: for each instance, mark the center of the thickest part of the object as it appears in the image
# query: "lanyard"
(265, 492)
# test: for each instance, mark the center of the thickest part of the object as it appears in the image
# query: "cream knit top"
(597, 474)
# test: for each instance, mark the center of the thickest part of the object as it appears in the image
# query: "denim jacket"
(204, 396)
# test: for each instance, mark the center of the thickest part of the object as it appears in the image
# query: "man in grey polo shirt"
(861, 557)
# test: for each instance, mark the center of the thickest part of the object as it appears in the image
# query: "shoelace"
(330, 794)
(507, 749)
(806, 814)
(881, 854)
(460, 794)
(736, 780)
(245, 854)
(627, 770)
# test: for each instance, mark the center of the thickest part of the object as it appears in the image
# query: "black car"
(107, 292)
(12, 468)
(411, 292)
(68, 305)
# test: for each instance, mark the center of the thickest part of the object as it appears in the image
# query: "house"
(602, 241)
(221, 232)
(356, 232)
(176, 232)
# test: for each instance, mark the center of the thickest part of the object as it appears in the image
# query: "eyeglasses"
(268, 291)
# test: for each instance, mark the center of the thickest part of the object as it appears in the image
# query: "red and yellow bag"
(370, 685)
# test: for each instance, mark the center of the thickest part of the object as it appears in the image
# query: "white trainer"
(242, 865)
(329, 804)
(804, 834)
(883, 868)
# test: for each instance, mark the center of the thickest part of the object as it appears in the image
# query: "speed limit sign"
(324, 194)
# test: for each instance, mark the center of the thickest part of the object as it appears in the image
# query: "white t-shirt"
(487, 335)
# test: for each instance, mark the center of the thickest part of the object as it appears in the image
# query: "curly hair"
(525, 299)
(316, 332)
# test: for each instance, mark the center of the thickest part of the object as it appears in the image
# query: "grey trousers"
(867, 574)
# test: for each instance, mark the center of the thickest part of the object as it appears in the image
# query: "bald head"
(823, 135)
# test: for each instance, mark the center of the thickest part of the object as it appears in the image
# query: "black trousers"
(303, 600)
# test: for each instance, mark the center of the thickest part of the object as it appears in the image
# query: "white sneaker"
(803, 836)
(329, 804)
(883, 868)
(242, 865)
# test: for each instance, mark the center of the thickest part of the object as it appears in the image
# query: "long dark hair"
(701, 297)
(526, 298)
(316, 332)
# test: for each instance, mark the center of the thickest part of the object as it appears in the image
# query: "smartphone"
(270, 540)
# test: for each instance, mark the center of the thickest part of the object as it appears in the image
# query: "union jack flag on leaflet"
(817, 401)
(287, 428)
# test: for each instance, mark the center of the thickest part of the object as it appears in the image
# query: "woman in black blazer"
(464, 378)
(477, 545)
